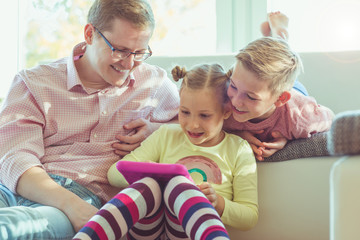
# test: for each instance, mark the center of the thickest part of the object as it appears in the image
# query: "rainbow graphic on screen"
(202, 169)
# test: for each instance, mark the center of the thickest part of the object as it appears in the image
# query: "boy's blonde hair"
(272, 60)
(138, 12)
(203, 76)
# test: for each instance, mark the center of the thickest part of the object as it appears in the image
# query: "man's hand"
(79, 213)
(140, 129)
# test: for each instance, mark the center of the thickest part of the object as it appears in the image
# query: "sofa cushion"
(314, 146)
(344, 135)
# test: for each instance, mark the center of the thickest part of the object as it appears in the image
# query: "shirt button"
(95, 135)
(103, 91)
(104, 112)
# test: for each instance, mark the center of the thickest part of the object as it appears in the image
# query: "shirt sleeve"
(167, 100)
(309, 117)
(242, 211)
(21, 134)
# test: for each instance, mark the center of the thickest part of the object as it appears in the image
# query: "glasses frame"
(144, 55)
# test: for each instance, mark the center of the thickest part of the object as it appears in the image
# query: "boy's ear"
(227, 110)
(283, 98)
(88, 33)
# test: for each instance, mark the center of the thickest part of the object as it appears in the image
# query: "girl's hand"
(216, 200)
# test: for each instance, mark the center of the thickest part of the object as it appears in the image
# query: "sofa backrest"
(332, 78)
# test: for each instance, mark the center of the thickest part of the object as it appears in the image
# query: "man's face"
(124, 36)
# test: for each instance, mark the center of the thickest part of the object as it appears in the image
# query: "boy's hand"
(264, 149)
(256, 145)
(278, 143)
(140, 130)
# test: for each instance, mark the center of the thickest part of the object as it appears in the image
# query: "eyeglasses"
(122, 54)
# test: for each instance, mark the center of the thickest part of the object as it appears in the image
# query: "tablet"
(162, 172)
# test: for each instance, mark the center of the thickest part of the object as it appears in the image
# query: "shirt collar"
(73, 77)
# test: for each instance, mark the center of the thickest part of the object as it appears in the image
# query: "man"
(60, 123)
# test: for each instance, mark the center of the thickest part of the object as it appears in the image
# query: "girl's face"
(201, 116)
(251, 98)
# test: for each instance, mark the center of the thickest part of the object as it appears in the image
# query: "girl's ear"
(227, 110)
(88, 33)
(283, 98)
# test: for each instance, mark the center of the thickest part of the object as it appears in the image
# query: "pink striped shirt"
(300, 117)
(50, 119)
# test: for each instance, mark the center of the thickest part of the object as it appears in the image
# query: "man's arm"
(36, 185)
(141, 129)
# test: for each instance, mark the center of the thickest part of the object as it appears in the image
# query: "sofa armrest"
(345, 199)
(344, 135)
(315, 146)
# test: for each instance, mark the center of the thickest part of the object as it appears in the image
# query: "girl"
(180, 209)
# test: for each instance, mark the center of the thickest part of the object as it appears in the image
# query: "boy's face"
(250, 97)
(201, 116)
(123, 36)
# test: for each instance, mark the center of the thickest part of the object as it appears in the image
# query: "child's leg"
(193, 211)
(140, 200)
(276, 25)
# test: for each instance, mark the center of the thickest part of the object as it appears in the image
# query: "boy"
(265, 106)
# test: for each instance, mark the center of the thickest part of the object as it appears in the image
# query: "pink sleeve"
(308, 117)
(21, 126)
(167, 99)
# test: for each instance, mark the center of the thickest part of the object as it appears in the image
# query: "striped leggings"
(145, 211)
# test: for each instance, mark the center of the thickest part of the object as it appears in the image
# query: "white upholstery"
(345, 199)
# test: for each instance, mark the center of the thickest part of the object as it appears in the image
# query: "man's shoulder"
(150, 69)
(47, 69)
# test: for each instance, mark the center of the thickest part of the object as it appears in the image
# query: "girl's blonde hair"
(203, 76)
(138, 12)
(272, 60)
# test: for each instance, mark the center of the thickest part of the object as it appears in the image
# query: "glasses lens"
(141, 56)
(124, 54)
(120, 54)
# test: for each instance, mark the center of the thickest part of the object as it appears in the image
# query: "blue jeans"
(21, 218)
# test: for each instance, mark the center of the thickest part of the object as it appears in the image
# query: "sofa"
(308, 189)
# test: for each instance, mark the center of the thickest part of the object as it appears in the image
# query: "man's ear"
(88, 33)
(227, 110)
(283, 98)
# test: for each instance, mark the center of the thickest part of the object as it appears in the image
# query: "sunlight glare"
(338, 28)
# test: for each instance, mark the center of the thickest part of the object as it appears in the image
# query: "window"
(321, 26)
(41, 31)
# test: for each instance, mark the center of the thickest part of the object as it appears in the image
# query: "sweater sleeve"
(308, 117)
(242, 211)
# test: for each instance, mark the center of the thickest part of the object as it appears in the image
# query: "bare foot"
(276, 25)
(265, 29)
